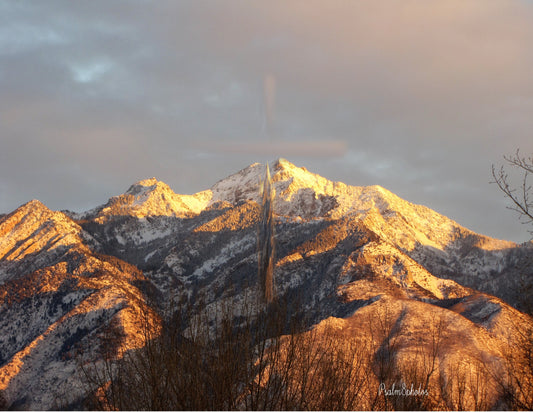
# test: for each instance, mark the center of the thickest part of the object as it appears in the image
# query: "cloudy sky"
(421, 97)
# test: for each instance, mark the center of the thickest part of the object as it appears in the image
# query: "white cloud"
(88, 73)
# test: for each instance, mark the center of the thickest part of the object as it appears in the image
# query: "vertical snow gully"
(265, 239)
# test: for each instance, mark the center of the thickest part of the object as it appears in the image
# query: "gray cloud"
(420, 97)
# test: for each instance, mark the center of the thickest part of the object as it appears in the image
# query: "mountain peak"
(295, 187)
(152, 197)
(283, 164)
(301, 193)
(33, 227)
(33, 204)
(148, 182)
(147, 186)
(34, 208)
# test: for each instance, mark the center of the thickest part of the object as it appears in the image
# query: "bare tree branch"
(520, 195)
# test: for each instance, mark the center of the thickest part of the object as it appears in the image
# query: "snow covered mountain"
(142, 231)
(67, 279)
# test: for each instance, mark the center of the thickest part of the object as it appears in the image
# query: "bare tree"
(468, 385)
(516, 381)
(416, 366)
(520, 194)
(422, 369)
(383, 326)
(453, 386)
(522, 203)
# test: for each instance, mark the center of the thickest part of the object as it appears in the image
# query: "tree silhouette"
(520, 194)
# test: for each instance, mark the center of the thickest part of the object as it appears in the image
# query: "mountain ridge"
(243, 185)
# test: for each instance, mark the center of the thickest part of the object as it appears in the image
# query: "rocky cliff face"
(67, 279)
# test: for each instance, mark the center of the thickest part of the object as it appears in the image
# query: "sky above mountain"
(420, 97)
